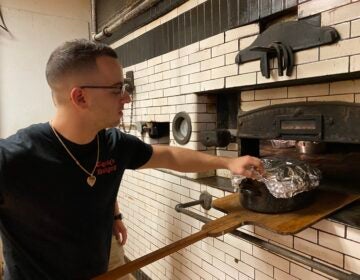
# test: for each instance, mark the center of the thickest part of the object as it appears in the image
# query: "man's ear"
(78, 97)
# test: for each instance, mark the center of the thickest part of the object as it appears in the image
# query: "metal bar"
(107, 31)
(271, 247)
(93, 18)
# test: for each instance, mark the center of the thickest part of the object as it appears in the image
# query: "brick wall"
(178, 81)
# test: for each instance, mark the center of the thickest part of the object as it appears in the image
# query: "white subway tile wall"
(177, 81)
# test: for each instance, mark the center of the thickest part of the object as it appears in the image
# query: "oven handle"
(205, 198)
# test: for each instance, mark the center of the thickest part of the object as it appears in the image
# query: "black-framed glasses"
(119, 89)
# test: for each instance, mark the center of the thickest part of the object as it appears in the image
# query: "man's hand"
(120, 231)
(247, 166)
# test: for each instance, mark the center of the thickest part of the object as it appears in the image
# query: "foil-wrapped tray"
(285, 178)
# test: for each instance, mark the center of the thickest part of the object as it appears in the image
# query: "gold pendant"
(91, 180)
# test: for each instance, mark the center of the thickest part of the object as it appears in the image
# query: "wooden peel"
(214, 228)
(285, 223)
(326, 202)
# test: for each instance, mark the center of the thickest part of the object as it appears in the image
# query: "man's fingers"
(257, 163)
(124, 238)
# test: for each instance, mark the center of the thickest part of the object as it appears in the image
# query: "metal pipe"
(107, 31)
(93, 19)
(271, 247)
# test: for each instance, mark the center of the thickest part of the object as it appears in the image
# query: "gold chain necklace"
(91, 180)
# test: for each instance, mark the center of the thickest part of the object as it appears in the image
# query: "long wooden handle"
(154, 256)
(214, 228)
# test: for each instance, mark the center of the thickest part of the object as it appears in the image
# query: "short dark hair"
(75, 55)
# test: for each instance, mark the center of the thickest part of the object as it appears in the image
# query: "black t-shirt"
(53, 224)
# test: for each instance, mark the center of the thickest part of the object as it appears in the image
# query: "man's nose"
(126, 98)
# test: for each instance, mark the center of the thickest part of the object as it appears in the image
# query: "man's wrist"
(118, 217)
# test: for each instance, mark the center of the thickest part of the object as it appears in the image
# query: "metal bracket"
(129, 81)
(282, 39)
(204, 200)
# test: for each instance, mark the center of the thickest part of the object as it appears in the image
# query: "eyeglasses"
(119, 89)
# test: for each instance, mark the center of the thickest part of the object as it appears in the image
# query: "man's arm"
(186, 160)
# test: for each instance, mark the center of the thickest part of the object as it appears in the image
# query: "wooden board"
(286, 223)
(214, 228)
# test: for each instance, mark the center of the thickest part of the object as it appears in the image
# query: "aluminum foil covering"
(285, 178)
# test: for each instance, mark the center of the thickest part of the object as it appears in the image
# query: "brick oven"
(188, 82)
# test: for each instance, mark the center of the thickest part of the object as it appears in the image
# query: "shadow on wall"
(5, 36)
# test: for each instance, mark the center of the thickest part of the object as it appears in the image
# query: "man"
(59, 180)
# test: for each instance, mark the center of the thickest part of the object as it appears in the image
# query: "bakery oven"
(324, 135)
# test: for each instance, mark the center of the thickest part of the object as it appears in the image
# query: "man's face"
(106, 99)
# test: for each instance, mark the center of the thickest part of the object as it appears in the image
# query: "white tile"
(155, 78)
(241, 80)
(240, 32)
(190, 88)
(247, 41)
(212, 84)
(308, 234)
(257, 264)
(229, 270)
(213, 271)
(200, 76)
(271, 259)
(247, 95)
(200, 56)
(281, 275)
(272, 93)
(286, 240)
(154, 61)
(188, 5)
(170, 56)
(182, 61)
(162, 84)
(161, 67)
(171, 73)
(306, 56)
(212, 41)
(225, 71)
(305, 274)
(323, 68)
(330, 227)
(261, 276)
(191, 108)
(354, 63)
(315, 7)
(318, 251)
(355, 28)
(338, 97)
(341, 245)
(352, 264)
(190, 49)
(212, 63)
(225, 48)
(343, 29)
(251, 66)
(274, 76)
(141, 65)
(178, 81)
(241, 266)
(189, 69)
(230, 58)
(340, 14)
(172, 91)
(341, 48)
(353, 234)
